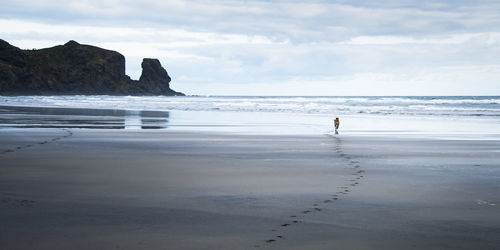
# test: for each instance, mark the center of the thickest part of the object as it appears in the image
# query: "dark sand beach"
(66, 188)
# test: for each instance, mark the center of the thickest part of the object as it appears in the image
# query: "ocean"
(464, 115)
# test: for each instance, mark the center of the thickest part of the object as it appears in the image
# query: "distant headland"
(76, 69)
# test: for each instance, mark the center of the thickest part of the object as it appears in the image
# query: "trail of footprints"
(24, 203)
(16, 202)
(357, 174)
(68, 134)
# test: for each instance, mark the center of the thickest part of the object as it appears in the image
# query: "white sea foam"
(421, 106)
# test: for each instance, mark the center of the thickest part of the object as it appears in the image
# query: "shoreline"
(247, 123)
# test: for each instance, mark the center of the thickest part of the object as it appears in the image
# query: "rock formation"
(74, 68)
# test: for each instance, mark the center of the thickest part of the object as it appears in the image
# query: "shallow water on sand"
(270, 123)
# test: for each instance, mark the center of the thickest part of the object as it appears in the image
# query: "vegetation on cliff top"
(74, 68)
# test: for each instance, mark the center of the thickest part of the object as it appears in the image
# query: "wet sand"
(155, 189)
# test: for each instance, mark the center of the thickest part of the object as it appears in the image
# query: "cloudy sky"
(223, 47)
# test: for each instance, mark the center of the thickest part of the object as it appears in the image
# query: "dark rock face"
(74, 68)
(154, 76)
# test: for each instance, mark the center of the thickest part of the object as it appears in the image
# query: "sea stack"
(78, 69)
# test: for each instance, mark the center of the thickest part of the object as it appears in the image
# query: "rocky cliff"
(74, 68)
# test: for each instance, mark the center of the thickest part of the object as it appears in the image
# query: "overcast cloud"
(283, 47)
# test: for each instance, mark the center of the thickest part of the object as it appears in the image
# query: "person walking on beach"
(337, 124)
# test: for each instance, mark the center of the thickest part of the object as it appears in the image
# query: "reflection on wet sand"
(41, 117)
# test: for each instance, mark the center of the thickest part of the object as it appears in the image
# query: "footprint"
(26, 203)
(11, 202)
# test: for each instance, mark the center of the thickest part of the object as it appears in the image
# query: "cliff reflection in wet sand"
(40, 117)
